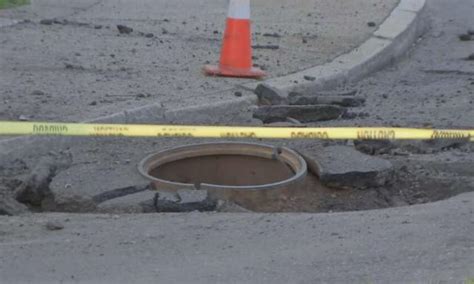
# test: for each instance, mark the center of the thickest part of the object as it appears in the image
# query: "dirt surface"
(82, 67)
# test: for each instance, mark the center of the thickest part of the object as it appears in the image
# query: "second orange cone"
(236, 53)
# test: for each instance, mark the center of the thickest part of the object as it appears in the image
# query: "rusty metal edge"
(288, 156)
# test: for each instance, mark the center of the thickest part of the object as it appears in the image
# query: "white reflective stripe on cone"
(239, 9)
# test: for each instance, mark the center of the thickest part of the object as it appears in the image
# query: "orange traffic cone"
(236, 53)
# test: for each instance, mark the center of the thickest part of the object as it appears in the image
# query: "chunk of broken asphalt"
(345, 101)
(36, 186)
(268, 95)
(374, 147)
(350, 115)
(37, 93)
(275, 35)
(412, 147)
(192, 196)
(73, 66)
(188, 200)
(124, 29)
(9, 205)
(353, 115)
(312, 113)
(136, 202)
(47, 22)
(54, 226)
(465, 37)
(60, 22)
(345, 167)
(269, 46)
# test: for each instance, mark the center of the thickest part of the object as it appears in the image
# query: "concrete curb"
(390, 41)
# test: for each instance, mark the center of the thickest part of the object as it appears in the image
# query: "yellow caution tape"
(136, 130)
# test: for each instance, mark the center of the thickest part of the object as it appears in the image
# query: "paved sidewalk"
(83, 68)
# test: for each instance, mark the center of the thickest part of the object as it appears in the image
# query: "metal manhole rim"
(300, 169)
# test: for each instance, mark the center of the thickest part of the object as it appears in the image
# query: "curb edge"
(389, 42)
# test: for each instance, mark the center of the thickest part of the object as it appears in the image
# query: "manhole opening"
(247, 174)
(255, 177)
(228, 170)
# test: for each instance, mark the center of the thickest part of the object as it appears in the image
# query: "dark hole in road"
(228, 170)
(418, 178)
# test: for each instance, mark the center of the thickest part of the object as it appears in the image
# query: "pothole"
(247, 174)
(224, 170)
(247, 177)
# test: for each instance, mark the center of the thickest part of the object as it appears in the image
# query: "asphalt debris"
(54, 226)
(47, 22)
(345, 101)
(311, 113)
(465, 37)
(9, 205)
(345, 167)
(37, 93)
(71, 66)
(268, 95)
(404, 148)
(185, 201)
(35, 187)
(275, 35)
(124, 29)
(268, 46)
(353, 115)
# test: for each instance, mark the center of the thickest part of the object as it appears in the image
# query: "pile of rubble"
(277, 106)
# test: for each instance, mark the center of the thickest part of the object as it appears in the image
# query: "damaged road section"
(150, 201)
(23, 188)
(276, 105)
(269, 114)
(346, 168)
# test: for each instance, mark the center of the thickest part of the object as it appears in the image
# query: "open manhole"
(245, 173)
(237, 177)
